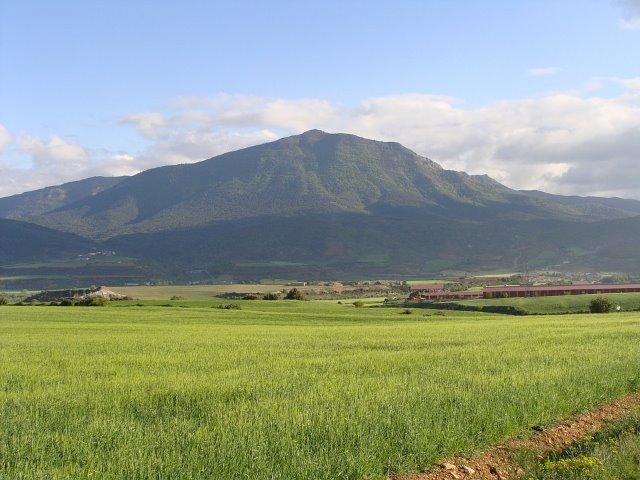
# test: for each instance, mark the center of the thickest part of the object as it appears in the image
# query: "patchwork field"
(288, 390)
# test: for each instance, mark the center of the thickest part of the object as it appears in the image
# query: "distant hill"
(600, 204)
(25, 242)
(344, 245)
(314, 173)
(44, 200)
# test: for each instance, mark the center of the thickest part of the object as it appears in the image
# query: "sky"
(538, 94)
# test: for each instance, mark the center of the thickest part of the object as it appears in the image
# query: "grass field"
(561, 303)
(194, 292)
(288, 390)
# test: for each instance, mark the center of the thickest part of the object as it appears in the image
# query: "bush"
(230, 306)
(250, 296)
(67, 303)
(176, 297)
(3, 301)
(96, 302)
(271, 296)
(600, 305)
(358, 304)
(294, 294)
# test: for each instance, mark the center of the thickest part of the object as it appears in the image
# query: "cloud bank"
(564, 143)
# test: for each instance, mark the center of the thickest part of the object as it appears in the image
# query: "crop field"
(194, 292)
(561, 303)
(288, 390)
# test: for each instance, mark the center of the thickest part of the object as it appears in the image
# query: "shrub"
(230, 306)
(271, 296)
(406, 312)
(250, 296)
(358, 304)
(294, 294)
(67, 303)
(3, 301)
(600, 305)
(176, 297)
(579, 467)
(96, 302)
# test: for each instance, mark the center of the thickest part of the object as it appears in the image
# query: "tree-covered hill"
(325, 205)
(44, 200)
(24, 242)
(314, 173)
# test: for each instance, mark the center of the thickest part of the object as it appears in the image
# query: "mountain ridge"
(321, 205)
(43, 200)
(314, 172)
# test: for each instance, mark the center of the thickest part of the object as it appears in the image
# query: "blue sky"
(538, 94)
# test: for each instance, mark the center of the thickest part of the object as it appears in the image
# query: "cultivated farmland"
(288, 390)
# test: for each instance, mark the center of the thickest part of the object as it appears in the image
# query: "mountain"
(312, 173)
(321, 205)
(44, 200)
(599, 204)
(25, 242)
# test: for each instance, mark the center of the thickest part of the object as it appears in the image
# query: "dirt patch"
(499, 462)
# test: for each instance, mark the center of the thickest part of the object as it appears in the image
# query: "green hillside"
(44, 200)
(321, 205)
(23, 242)
(314, 172)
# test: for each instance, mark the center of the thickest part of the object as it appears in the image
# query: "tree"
(600, 305)
(294, 294)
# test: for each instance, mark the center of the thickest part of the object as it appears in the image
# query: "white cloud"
(54, 154)
(631, 84)
(542, 71)
(563, 143)
(148, 124)
(53, 161)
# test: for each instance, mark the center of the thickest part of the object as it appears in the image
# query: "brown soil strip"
(498, 463)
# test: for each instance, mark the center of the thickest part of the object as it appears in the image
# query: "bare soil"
(499, 463)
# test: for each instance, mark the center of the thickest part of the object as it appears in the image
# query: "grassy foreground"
(612, 454)
(288, 390)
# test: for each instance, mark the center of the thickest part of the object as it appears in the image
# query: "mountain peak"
(313, 172)
(313, 133)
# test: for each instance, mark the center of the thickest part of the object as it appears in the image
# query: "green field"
(288, 390)
(194, 292)
(560, 303)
